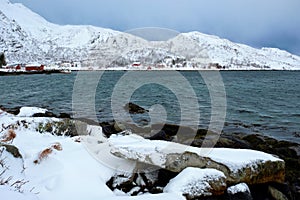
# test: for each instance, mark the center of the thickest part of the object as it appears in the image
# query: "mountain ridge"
(28, 37)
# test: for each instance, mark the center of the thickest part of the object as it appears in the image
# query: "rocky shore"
(287, 188)
(242, 166)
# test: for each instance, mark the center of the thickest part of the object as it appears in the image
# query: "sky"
(258, 23)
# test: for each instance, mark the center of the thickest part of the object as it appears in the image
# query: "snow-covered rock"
(239, 165)
(26, 37)
(239, 191)
(30, 111)
(241, 187)
(195, 182)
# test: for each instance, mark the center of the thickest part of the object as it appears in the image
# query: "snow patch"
(76, 172)
(242, 187)
(30, 111)
(7, 193)
(195, 181)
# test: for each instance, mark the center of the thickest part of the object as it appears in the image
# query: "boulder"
(276, 194)
(46, 114)
(63, 127)
(161, 135)
(13, 150)
(119, 127)
(114, 128)
(64, 115)
(134, 108)
(239, 165)
(14, 111)
(195, 183)
(238, 192)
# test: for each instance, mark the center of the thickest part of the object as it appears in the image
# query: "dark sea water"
(266, 102)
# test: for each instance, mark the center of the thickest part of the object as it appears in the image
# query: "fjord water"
(265, 102)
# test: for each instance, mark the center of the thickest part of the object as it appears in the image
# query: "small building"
(34, 68)
(14, 67)
(136, 64)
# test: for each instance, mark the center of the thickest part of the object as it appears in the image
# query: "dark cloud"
(258, 23)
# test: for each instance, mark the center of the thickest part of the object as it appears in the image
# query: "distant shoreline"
(3, 73)
(16, 73)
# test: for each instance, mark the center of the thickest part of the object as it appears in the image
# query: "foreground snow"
(72, 173)
(79, 167)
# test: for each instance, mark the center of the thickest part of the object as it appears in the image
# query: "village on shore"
(37, 68)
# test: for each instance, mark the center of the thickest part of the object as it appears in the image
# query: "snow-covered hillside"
(27, 37)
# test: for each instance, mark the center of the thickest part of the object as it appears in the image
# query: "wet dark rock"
(230, 141)
(161, 135)
(122, 182)
(134, 108)
(287, 151)
(141, 182)
(113, 128)
(46, 114)
(87, 121)
(164, 176)
(64, 115)
(14, 111)
(108, 130)
(259, 191)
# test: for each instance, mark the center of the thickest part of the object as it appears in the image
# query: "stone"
(238, 192)
(64, 127)
(134, 108)
(114, 128)
(195, 183)
(46, 114)
(119, 127)
(14, 111)
(239, 165)
(276, 194)
(13, 150)
(161, 135)
(64, 115)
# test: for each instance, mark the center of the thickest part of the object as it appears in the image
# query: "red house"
(34, 68)
(14, 67)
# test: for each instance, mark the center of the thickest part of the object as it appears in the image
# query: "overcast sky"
(274, 23)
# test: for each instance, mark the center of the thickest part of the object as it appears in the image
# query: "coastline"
(13, 73)
(288, 151)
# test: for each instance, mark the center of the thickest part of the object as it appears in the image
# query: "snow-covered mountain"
(27, 37)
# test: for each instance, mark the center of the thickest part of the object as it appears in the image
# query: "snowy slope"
(27, 37)
(234, 55)
(71, 173)
(46, 40)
